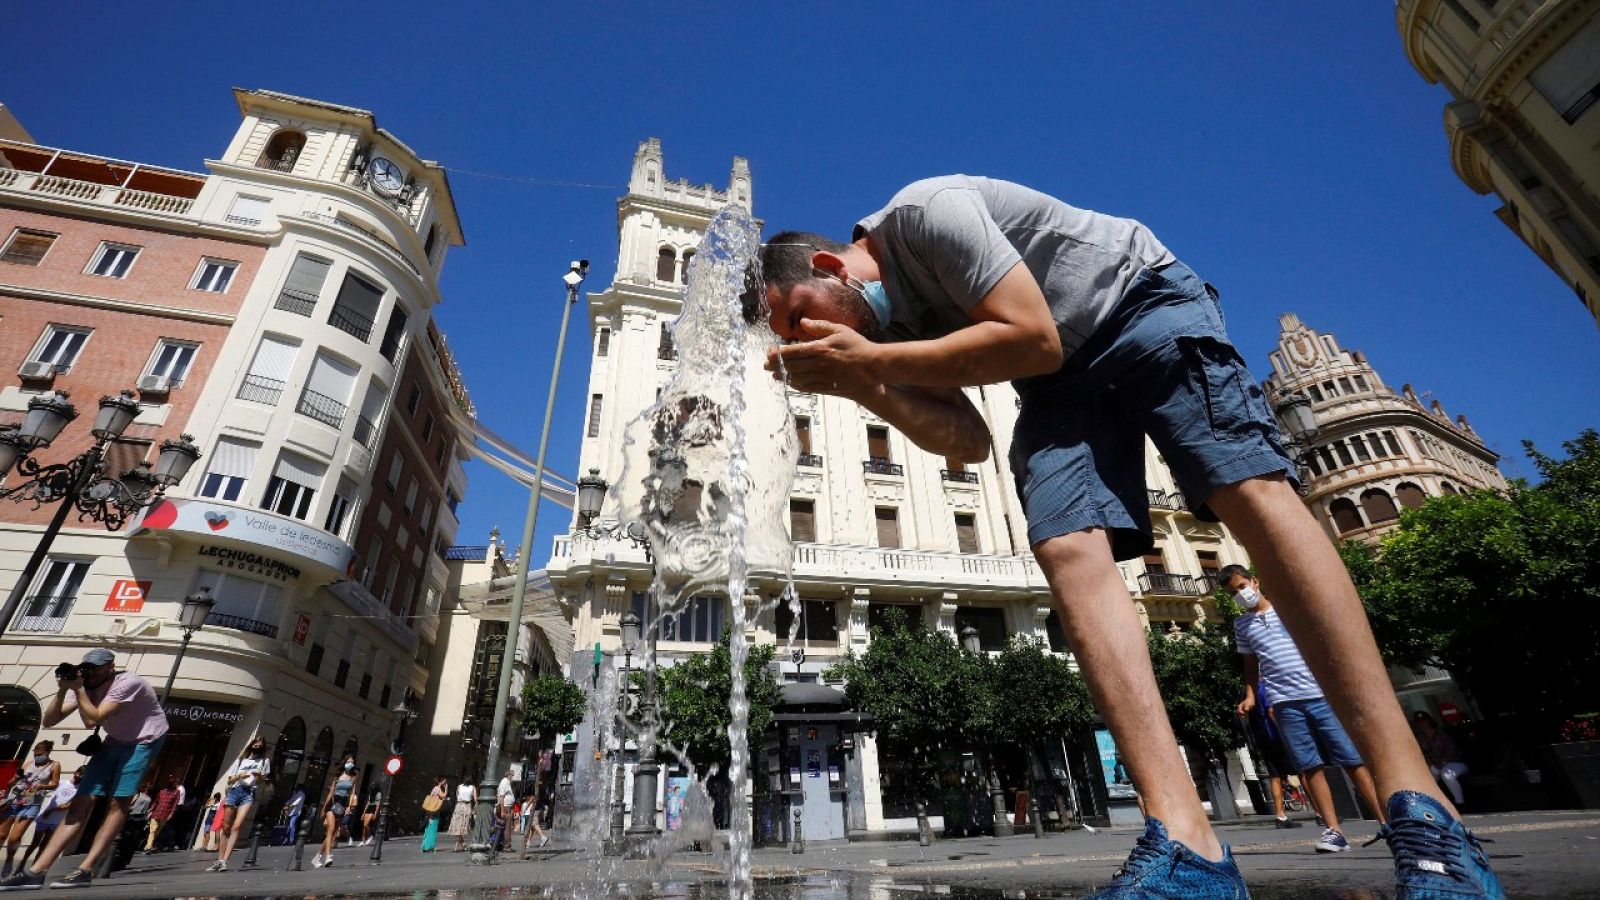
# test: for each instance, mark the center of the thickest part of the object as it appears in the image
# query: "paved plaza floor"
(1538, 854)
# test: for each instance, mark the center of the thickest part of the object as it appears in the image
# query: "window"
(282, 149)
(1360, 382)
(303, 285)
(370, 570)
(1378, 506)
(1344, 454)
(339, 509)
(1315, 392)
(888, 519)
(113, 260)
(46, 608)
(123, 456)
(214, 275)
(427, 429)
(594, 414)
(171, 361)
(393, 479)
(269, 371)
(1570, 77)
(802, 431)
(1344, 386)
(665, 349)
(356, 308)
(394, 334)
(1210, 569)
(688, 256)
(877, 443)
(666, 264)
(411, 496)
(27, 247)
(990, 622)
(59, 347)
(966, 533)
(388, 587)
(1155, 563)
(1360, 447)
(371, 408)
(1409, 495)
(700, 621)
(426, 519)
(242, 603)
(602, 343)
(433, 238)
(818, 621)
(802, 519)
(326, 397)
(883, 615)
(247, 211)
(1345, 515)
(1394, 445)
(293, 486)
(413, 400)
(228, 469)
(1055, 634)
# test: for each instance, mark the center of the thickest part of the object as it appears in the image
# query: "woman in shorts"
(37, 781)
(51, 812)
(249, 770)
(336, 810)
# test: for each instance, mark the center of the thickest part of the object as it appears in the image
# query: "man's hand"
(1247, 704)
(834, 359)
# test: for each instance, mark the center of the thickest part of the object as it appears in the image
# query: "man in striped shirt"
(1311, 733)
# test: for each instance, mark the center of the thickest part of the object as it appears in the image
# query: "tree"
(925, 696)
(694, 697)
(1201, 681)
(1031, 695)
(551, 705)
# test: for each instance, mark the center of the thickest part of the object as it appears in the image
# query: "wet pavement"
(1542, 854)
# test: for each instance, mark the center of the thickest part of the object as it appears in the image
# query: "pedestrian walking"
(162, 810)
(432, 806)
(124, 706)
(461, 818)
(51, 813)
(1269, 752)
(369, 812)
(336, 809)
(532, 811)
(1311, 733)
(209, 823)
(292, 812)
(1444, 758)
(247, 772)
(962, 281)
(505, 795)
(38, 781)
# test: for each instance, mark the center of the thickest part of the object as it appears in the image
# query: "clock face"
(385, 175)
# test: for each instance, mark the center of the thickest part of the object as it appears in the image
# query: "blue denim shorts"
(1313, 736)
(1160, 365)
(118, 769)
(239, 795)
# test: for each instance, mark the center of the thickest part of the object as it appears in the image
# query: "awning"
(491, 601)
(808, 694)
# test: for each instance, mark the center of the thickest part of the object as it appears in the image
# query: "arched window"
(1448, 488)
(20, 715)
(667, 265)
(1345, 515)
(687, 256)
(1409, 495)
(288, 756)
(317, 763)
(1378, 506)
(283, 148)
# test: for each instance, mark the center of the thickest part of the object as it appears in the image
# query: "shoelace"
(1145, 851)
(1419, 840)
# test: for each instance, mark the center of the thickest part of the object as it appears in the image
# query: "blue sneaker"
(1160, 867)
(1435, 857)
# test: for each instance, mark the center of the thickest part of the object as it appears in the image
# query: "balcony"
(321, 407)
(351, 321)
(1164, 500)
(960, 476)
(298, 302)
(1168, 585)
(261, 390)
(366, 432)
(1208, 584)
(878, 465)
(814, 460)
(240, 623)
(44, 613)
(45, 171)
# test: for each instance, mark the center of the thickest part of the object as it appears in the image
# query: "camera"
(67, 670)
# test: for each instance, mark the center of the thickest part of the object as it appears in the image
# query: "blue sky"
(1289, 153)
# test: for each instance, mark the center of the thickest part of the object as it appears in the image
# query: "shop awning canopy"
(791, 696)
(491, 601)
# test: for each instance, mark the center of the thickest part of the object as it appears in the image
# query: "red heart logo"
(217, 521)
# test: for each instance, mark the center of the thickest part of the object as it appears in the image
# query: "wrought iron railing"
(1207, 584)
(351, 321)
(1166, 583)
(366, 432)
(261, 389)
(240, 623)
(1163, 500)
(44, 612)
(961, 475)
(298, 302)
(811, 459)
(321, 407)
(878, 465)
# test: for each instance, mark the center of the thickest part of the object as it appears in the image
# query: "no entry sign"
(393, 765)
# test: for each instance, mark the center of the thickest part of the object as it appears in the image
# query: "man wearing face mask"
(123, 706)
(962, 281)
(1306, 724)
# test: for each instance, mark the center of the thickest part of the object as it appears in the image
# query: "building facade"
(1524, 78)
(877, 524)
(278, 309)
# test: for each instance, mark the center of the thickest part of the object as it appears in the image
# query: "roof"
(477, 553)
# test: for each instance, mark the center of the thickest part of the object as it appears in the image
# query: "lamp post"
(1293, 410)
(972, 642)
(642, 830)
(81, 483)
(403, 713)
(481, 851)
(616, 838)
(191, 618)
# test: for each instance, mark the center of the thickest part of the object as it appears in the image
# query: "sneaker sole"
(1322, 849)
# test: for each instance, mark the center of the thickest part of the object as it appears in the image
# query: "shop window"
(818, 621)
(990, 622)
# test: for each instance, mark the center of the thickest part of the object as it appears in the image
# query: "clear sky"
(1288, 152)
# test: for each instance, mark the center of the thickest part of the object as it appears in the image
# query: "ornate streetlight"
(82, 483)
(615, 839)
(191, 618)
(591, 497)
(1293, 410)
(972, 642)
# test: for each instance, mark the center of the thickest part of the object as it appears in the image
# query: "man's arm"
(939, 420)
(94, 715)
(1252, 677)
(58, 710)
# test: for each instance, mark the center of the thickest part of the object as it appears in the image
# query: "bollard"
(302, 828)
(255, 844)
(1033, 813)
(383, 829)
(797, 841)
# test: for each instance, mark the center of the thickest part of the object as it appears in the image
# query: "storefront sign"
(203, 712)
(248, 562)
(127, 596)
(302, 628)
(241, 527)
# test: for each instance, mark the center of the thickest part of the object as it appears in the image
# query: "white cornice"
(128, 306)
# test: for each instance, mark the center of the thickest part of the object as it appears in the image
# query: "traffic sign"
(394, 765)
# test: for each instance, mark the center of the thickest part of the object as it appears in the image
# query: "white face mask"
(1248, 597)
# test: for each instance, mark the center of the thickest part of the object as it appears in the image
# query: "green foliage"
(1499, 588)
(1201, 680)
(1031, 694)
(551, 705)
(694, 701)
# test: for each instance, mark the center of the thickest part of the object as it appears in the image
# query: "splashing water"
(708, 471)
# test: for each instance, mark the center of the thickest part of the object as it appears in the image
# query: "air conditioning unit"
(154, 384)
(34, 368)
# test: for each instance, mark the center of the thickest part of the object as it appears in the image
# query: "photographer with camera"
(125, 707)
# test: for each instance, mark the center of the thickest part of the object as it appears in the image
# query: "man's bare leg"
(1309, 586)
(1109, 643)
(116, 815)
(1368, 791)
(1320, 796)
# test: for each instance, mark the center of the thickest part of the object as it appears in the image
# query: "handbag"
(91, 745)
(432, 803)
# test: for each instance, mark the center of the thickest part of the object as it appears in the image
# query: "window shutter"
(28, 248)
(966, 533)
(233, 458)
(307, 275)
(300, 470)
(360, 296)
(888, 527)
(802, 430)
(274, 359)
(253, 208)
(803, 520)
(331, 378)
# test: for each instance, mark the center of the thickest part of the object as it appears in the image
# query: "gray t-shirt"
(944, 243)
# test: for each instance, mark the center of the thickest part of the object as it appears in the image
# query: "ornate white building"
(877, 523)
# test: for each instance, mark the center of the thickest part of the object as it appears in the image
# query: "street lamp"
(972, 642)
(191, 618)
(82, 483)
(591, 496)
(615, 840)
(482, 852)
(1300, 424)
(403, 714)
